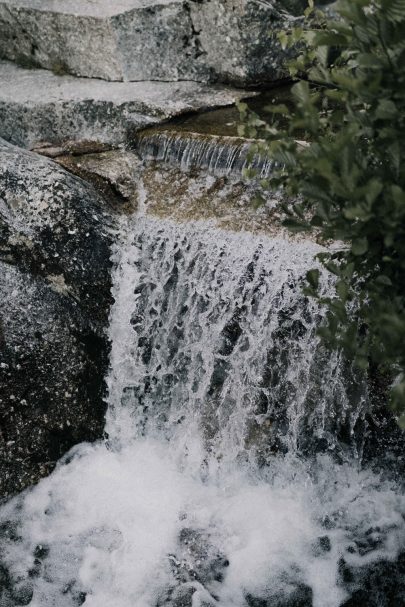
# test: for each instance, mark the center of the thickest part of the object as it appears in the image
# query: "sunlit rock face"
(54, 300)
(148, 39)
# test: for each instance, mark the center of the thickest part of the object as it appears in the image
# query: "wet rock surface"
(226, 202)
(55, 235)
(199, 567)
(380, 584)
(115, 175)
(296, 595)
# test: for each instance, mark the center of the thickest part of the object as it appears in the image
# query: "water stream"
(231, 472)
(218, 155)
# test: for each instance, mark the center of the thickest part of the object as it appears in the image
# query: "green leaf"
(329, 38)
(401, 421)
(348, 270)
(295, 226)
(281, 108)
(257, 201)
(398, 195)
(398, 397)
(373, 190)
(356, 212)
(284, 39)
(361, 362)
(384, 280)
(317, 221)
(386, 109)
(369, 60)
(359, 246)
(394, 10)
(301, 91)
(342, 289)
(313, 278)
(348, 183)
(333, 268)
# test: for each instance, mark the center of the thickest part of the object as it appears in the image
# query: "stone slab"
(124, 40)
(37, 105)
(98, 9)
(204, 40)
(114, 174)
(239, 38)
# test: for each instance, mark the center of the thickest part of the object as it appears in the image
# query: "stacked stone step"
(37, 106)
(98, 69)
(204, 40)
(110, 39)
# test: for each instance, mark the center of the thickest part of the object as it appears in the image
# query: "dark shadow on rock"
(55, 295)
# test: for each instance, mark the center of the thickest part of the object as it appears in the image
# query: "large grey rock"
(37, 105)
(225, 40)
(54, 302)
(115, 40)
(239, 38)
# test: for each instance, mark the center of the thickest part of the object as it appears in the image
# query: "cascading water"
(223, 344)
(230, 474)
(218, 155)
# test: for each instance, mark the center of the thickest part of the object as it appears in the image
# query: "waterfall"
(218, 155)
(222, 343)
(230, 475)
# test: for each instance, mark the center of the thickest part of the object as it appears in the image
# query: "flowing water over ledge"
(218, 155)
(210, 141)
(231, 475)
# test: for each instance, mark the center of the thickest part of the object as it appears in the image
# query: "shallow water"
(224, 479)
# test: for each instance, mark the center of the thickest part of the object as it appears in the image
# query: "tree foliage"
(349, 179)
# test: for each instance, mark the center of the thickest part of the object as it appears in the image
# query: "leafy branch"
(349, 180)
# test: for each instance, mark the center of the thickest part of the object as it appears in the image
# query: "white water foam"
(182, 497)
